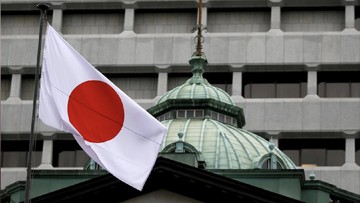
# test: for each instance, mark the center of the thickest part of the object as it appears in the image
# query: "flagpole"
(43, 8)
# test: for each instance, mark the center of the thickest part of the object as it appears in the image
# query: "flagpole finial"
(43, 6)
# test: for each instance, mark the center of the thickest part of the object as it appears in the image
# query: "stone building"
(292, 66)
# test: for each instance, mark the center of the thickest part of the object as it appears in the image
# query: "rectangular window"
(217, 79)
(274, 84)
(27, 87)
(357, 18)
(176, 79)
(21, 23)
(339, 84)
(220, 80)
(214, 115)
(136, 86)
(314, 152)
(14, 153)
(67, 153)
(239, 20)
(357, 151)
(312, 19)
(190, 114)
(165, 21)
(222, 118)
(168, 115)
(181, 114)
(93, 22)
(229, 120)
(199, 113)
(5, 86)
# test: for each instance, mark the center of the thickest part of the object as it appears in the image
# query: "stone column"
(236, 91)
(349, 14)
(350, 151)
(275, 13)
(129, 19)
(237, 84)
(275, 141)
(273, 137)
(162, 83)
(204, 15)
(312, 81)
(57, 20)
(15, 87)
(47, 154)
(57, 16)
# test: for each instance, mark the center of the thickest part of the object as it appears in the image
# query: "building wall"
(292, 70)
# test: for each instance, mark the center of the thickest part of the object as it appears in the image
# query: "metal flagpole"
(43, 8)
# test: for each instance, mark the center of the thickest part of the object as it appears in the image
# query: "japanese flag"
(110, 127)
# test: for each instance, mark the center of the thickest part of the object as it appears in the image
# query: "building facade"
(292, 66)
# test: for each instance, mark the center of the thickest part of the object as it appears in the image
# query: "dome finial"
(179, 145)
(271, 146)
(312, 175)
(180, 135)
(198, 59)
(199, 39)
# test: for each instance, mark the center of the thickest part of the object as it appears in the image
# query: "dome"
(224, 146)
(197, 87)
(203, 120)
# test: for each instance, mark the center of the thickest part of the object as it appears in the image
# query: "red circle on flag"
(96, 111)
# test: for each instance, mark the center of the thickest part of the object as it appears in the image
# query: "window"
(27, 87)
(21, 23)
(357, 151)
(93, 22)
(218, 79)
(165, 116)
(136, 86)
(339, 84)
(181, 114)
(314, 152)
(312, 19)
(199, 113)
(222, 118)
(67, 153)
(274, 84)
(165, 21)
(267, 164)
(357, 17)
(190, 113)
(14, 153)
(176, 79)
(239, 20)
(5, 86)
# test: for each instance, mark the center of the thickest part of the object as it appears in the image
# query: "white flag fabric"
(110, 127)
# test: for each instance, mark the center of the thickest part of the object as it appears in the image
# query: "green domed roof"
(211, 124)
(224, 146)
(198, 93)
(197, 87)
